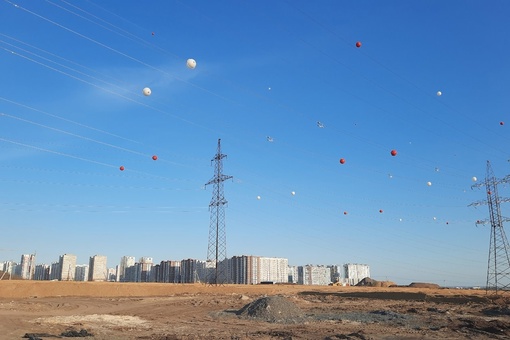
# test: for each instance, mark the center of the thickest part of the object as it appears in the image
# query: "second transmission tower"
(217, 247)
(498, 269)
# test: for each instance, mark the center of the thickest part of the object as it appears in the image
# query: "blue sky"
(72, 112)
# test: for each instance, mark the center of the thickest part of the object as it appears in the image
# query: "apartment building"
(98, 271)
(67, 264)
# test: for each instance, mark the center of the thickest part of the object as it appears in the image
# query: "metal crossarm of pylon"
(498, 268)
(485, 202)
(486, 221)
(217, 246)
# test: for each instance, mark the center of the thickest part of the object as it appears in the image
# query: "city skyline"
(354, 130)
(244, 269)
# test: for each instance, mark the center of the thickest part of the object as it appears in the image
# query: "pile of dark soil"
(67, 334)
(273, 309)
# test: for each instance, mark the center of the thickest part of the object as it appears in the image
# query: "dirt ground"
(44, 310)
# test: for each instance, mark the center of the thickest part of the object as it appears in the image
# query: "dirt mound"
(273, 309)
(424, 285)
(368, 282)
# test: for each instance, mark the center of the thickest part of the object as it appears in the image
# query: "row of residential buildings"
(236, 270)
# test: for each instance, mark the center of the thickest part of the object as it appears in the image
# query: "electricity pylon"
(498, 268)
(217, 247)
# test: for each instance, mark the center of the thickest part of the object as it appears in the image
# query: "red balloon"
(501, 123)
(152, 33)
(154, 157)
(121, 168)
(358, 44)
(393, 152)
(381, 211)
(345, 212)
(342, 161)
(489, 192)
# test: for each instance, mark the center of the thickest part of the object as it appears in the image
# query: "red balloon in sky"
(152, 33)
(154, 157)
(345, 212)
(121, 168)
(393, 152)
(342, 161)
(358, 44)
(381, 211)
(501, 123)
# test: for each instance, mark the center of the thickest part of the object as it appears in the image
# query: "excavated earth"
(92, 310)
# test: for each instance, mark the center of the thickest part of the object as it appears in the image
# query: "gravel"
(276, 309)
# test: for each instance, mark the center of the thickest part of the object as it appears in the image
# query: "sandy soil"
(174, 311)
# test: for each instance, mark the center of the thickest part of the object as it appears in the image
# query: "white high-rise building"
(67, 263)
(98, 271)
(8, 267)
(273, 269)
(314, 275)
(27, 266)
(125, 262)
(354, 272)
(145, 265)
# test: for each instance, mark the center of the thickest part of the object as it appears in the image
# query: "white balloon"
(191, 63)
(439, 93)
(429, 183)
(146, 91)
(293, 193)
(258, 197)
(474, 179)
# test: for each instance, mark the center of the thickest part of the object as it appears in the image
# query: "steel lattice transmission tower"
(498, 269)
(217, 247)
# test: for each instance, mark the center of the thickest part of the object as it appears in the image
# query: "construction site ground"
(108, 310)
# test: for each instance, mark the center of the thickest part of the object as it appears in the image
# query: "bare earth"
(44, 310)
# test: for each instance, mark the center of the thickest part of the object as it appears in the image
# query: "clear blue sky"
(72, 112)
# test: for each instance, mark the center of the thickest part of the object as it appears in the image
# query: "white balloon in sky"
(429, 183)
(474, 179)
(293, 193)
(439, 93)
(146, 91)
(435, 218)
(191, 63)
(258, 197)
